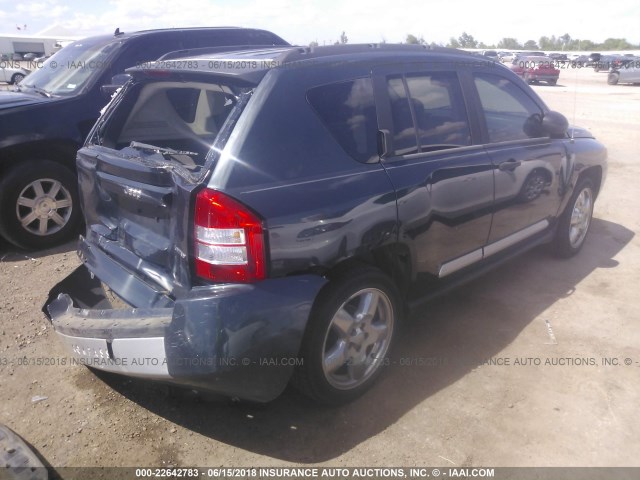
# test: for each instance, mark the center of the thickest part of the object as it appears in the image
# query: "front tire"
(574, 222)
(350, 331)
(612, 78)
(38, 205)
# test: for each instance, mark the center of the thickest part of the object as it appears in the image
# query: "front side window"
(428, 112)
(510, 114)
(348, 110)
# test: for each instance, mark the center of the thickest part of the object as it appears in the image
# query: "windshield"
(69, 70)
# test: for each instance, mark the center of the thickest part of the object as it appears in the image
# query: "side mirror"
(552, 124)
(117, 81)
(555, 124)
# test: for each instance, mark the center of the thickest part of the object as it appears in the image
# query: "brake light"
(229, 240)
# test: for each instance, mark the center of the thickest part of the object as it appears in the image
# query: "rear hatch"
(140, 166)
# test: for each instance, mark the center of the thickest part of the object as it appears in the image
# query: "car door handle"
(509, 165)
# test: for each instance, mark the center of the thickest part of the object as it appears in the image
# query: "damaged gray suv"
(272, 215)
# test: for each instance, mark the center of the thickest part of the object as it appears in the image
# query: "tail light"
(229, 240)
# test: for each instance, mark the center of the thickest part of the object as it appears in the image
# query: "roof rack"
(287, 54)
(304, 53)
(192, 52)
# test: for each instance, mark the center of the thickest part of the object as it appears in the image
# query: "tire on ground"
(574, 223)
(44, 192)
(351, 328)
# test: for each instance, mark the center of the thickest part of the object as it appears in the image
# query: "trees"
(412, 39)
(453, 43)
(552, 43)
(343, 39)
(509, 43)
(616, 44)
(467, 41)
(547, 43)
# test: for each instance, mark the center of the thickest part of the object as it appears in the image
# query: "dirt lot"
(450, 407)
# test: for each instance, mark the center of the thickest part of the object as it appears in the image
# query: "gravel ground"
(449, 407)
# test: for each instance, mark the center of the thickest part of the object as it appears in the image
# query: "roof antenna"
(117, 32)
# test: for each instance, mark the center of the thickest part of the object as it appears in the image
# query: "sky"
(303, 21)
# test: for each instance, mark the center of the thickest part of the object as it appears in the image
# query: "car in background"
(624, 75)
(31, 56)
(536, 69)
(492, 54)
(12, 73)
(558, 56)
(519, 55)
(592, 59)
(532, 54)
(607, 62)
(45, 121)
(507, 57)
(580, 60)
(625, 61)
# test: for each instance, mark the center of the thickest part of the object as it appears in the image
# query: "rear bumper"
(237, 340)
(543, 77)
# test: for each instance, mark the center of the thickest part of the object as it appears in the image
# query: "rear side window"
(428, 112)
(348, 110)
(508, 111)
(405, 140)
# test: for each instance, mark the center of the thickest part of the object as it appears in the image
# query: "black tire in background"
(574, 223)
(16, 78)
(39, 205)
(348, 337)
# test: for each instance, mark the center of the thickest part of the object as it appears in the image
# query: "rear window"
(181, 116)
(348, 110)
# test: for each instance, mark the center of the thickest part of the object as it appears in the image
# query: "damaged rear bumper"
(237, 340)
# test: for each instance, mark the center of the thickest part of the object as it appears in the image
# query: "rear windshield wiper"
(145, 147)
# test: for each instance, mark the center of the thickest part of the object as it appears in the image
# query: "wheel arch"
(394, 260)
(59, 151)
(595, 175)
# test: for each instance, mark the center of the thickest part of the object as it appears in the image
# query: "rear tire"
(553, 82)
(574, 223)
(349, 334)
(612, 78)
(39, 205)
